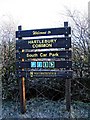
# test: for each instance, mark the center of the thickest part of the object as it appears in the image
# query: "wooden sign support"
(22, 84)
(67, 84)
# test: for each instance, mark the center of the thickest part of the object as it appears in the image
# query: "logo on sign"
(31, 74)
(39, 64)
(33, 64)
(45, 64)
(42, 64)
(51, 64)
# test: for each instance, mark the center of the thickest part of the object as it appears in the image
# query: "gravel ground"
(42, 108)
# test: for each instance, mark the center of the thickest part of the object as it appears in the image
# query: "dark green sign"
(45, 43)
(44, 64)
(44, 54)
(45, 73)
(43, 32)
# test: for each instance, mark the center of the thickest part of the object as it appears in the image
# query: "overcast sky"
(32, 14)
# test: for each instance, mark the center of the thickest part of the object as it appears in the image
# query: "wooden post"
(22, 85)
(67, 83)
(68, 94)
(22, 95)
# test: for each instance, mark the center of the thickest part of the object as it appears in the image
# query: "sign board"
(43, 32)
(44, 54)
(64, 42)
(44, 64)
(45, 73)
(43, 43)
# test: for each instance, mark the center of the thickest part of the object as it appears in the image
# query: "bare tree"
(80, 54)
(80, 43)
